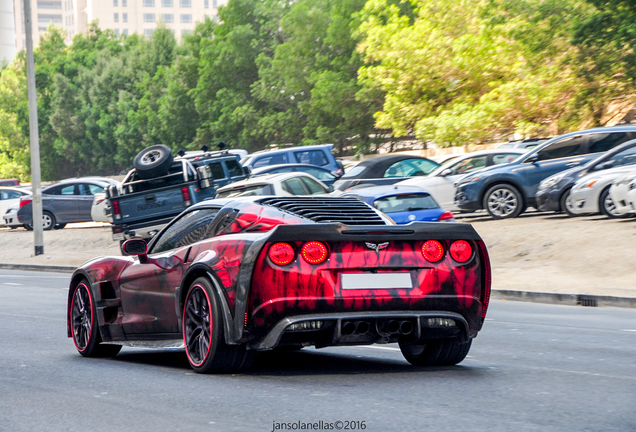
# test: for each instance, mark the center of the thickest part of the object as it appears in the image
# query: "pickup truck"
(160, 187)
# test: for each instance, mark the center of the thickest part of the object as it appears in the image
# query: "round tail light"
(461, 251)
(281, 253)
(433, 251)
(314, 252)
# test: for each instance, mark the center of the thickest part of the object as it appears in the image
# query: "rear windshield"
(252, 190)
(405, 203)
(354, 171)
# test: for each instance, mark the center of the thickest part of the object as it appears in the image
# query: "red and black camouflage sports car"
(231, 277)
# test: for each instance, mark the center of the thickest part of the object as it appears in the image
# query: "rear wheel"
(606, 205)
(203, 333)
(84, 325)
(438, 352)
(503, 201)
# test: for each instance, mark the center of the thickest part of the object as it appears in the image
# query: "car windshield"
(251, 190)
(625, 157)
(356, 170)
(405, 202)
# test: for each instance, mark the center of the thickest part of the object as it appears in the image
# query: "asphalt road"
(533, 367)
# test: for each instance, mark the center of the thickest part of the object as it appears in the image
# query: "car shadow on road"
(297, 363)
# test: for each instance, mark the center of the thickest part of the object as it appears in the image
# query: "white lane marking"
(32, 316)
(11, 283)
(35, 276)
(629, 330)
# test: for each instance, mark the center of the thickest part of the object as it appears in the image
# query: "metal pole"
(38, 237)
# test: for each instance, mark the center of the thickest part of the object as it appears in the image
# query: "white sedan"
(623, 193)
(591, 193)
(441, 182)
(282, 184)
(10, 197)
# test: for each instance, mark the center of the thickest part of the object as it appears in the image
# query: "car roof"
(389, 159)
(266, 179)
(386, 190)
(15, 188)
(286, 149)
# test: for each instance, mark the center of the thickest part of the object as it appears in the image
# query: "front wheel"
(503, 201)
(567, 205)
(438, 352)
(84, 325)
(203, 333)
(607, 206)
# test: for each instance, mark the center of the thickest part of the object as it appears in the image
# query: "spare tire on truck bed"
(153, 161)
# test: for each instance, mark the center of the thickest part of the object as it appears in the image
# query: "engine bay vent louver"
(347, 211)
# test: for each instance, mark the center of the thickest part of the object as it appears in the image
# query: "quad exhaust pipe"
(384, 327)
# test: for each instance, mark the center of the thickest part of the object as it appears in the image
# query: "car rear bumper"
(364, 328)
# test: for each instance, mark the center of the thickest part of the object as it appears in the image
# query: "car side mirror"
(532, 158)
(446, 172)
(136, 247)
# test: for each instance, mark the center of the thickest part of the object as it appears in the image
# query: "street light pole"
(33, 133)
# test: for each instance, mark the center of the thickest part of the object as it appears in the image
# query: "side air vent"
(348, 211)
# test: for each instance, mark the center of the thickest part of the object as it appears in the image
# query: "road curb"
(590, 300)
(38, 267)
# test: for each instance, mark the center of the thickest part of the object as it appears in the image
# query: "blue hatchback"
(403, 204)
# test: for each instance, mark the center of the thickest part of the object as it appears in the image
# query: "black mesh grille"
(348, 211)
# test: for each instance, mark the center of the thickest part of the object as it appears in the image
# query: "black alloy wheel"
(84, 325)
(203, 333)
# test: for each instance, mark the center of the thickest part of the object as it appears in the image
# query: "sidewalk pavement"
(589, 300)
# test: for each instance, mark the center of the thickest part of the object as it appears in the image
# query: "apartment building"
(7, 31)
(123, 16)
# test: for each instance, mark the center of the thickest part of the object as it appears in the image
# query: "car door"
(148, 290)
(563, 154)
(61, 201)
(85, 200)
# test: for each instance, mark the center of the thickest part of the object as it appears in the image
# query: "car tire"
(204, 335)
(84, 326)
(28, 227)
(48, 221)
(607, 206)
(438, 352)
(566, 203)
(503, 201)
(59, 226)
(153, 161)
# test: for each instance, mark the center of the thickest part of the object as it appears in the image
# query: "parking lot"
(544, 252)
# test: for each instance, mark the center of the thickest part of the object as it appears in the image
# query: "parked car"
(64, 202)
(525, 144)
(383, 170)
(403, 204)
(160, 186)
(228, 278)
(506, 191)
(623, 195)
(441, 182)
(283, 184)
(554, 192)
(322, 174)
(319, 155)
(10, 218)
(10, 197)
(100, 210)
(9, 182)
(590, 194)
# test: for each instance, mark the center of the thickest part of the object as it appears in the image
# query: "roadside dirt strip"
(542, 257)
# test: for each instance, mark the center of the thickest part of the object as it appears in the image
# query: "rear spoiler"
(340, 232)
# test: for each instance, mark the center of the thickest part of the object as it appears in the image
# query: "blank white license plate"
(376, 281)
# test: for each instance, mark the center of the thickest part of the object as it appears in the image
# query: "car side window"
(89, 189)
(270, 160)
(601, 142)
(217, 170)
(410, 168)
(504, 158)
(190, 228)
(294, 186)
(311, 157)
(570, 146)
(313, 186)
(68, 190)
(318, 173)
(9, 194)
(233, 168)
(469, 165)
